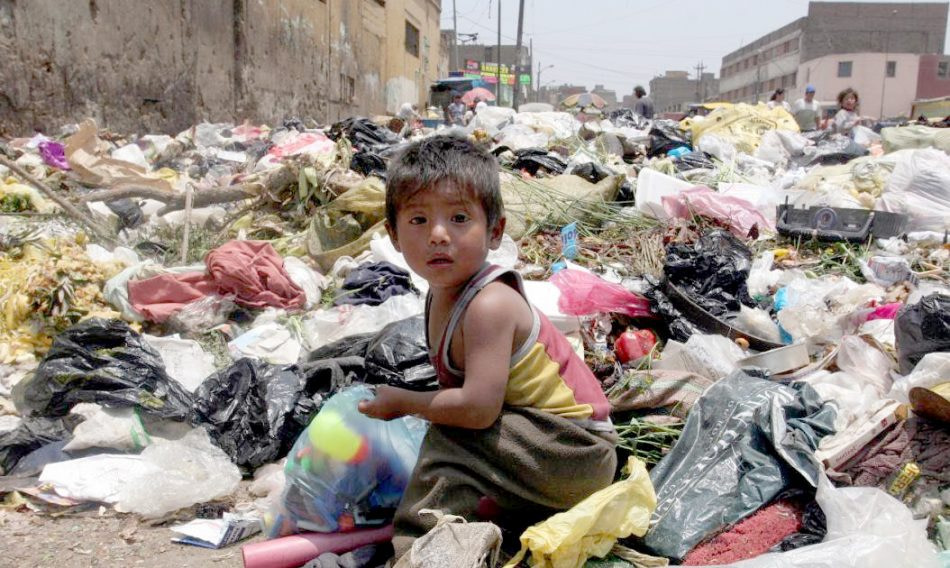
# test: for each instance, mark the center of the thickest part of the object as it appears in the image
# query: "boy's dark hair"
(444, 159)
(779, 91)
(845, 93)
(639, 91)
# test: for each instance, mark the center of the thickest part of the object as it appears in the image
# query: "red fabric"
(252, 271)
(750, 537)
(159, 297)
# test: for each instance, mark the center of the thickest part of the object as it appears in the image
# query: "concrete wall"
(750, 75)
(162, 66)
(867, 78)
(858, 27)
(930, 84)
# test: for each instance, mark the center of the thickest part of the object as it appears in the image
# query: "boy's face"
(444, 235)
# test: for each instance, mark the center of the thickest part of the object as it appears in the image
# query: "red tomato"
(633, 344)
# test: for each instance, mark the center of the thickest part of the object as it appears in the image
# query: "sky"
(624, 43)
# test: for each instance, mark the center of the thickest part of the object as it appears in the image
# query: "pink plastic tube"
(297, 550)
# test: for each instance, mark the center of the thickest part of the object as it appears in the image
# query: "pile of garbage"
(768, 312)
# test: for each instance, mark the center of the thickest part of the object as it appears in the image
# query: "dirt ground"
(108, 539)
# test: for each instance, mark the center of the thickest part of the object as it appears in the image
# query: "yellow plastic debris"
(743, 125)
(591, 527)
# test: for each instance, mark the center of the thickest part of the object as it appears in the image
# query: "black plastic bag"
(591, 172)
(372, 284)
(713, 272)
(396, 355)
(677, 326)
(814, 528)
(665, 136)
(129, 213)
(369, 164)
(254, 411)
(31, 434)
(626, 117)
(837, 150)
(745, 441)
(106, 362)
(922, 328)
(399, 356)
(693, 161)
(532, 160)
(363, 134)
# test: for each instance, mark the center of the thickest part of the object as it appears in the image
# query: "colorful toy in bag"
(346, 470)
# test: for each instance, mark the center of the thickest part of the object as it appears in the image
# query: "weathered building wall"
(162, 66)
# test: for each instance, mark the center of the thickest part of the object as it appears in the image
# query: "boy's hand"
(388, 404)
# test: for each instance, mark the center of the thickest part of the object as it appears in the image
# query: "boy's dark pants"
(530, 463)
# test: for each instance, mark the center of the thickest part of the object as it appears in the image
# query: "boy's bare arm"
(489, 328)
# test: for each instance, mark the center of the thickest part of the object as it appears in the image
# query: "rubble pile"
(768, 312)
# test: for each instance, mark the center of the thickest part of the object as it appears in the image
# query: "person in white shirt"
(778, 100)
(807, 111)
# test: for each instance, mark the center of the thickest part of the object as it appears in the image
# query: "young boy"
(520, 427)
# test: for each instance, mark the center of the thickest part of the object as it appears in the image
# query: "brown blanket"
(527, 466)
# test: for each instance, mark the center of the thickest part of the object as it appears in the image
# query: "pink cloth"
(251, 271)
(738, 213)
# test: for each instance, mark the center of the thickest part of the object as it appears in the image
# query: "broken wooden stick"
(68, 207)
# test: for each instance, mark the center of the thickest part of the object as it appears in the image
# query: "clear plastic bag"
(346, 469)
(583, 293)
(867, 528)
(179, 474)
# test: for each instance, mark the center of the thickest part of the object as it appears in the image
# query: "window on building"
(844, 68)
(412, 39)
(943, 69)
(890, 69)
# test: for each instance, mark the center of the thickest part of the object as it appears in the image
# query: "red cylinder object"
(296, 550)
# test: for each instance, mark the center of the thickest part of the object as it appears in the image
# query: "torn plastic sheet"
(750, 439)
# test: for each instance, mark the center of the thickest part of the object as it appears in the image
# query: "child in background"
(520, 427)
(847, 118)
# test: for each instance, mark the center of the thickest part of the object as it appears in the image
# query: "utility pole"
(455, 37)
(498, 60)
(700, 94)
(516, 88)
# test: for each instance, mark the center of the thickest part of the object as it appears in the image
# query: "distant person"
(644, 104)
(778, 100)
(847, 117)
(807, 111)
(457, 112)
(408, 112)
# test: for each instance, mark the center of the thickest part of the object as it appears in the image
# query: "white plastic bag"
(116, 428)
(270, 342)
(491, 119)
(920, 188)
(865, 363)
(185, 360)
(326, 326)
(930, 371)
(712, 356)
(310, 281)
(165, 477)
(180, 473)
(867, 528)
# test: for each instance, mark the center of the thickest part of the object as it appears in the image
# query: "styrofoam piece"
(652, 187)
